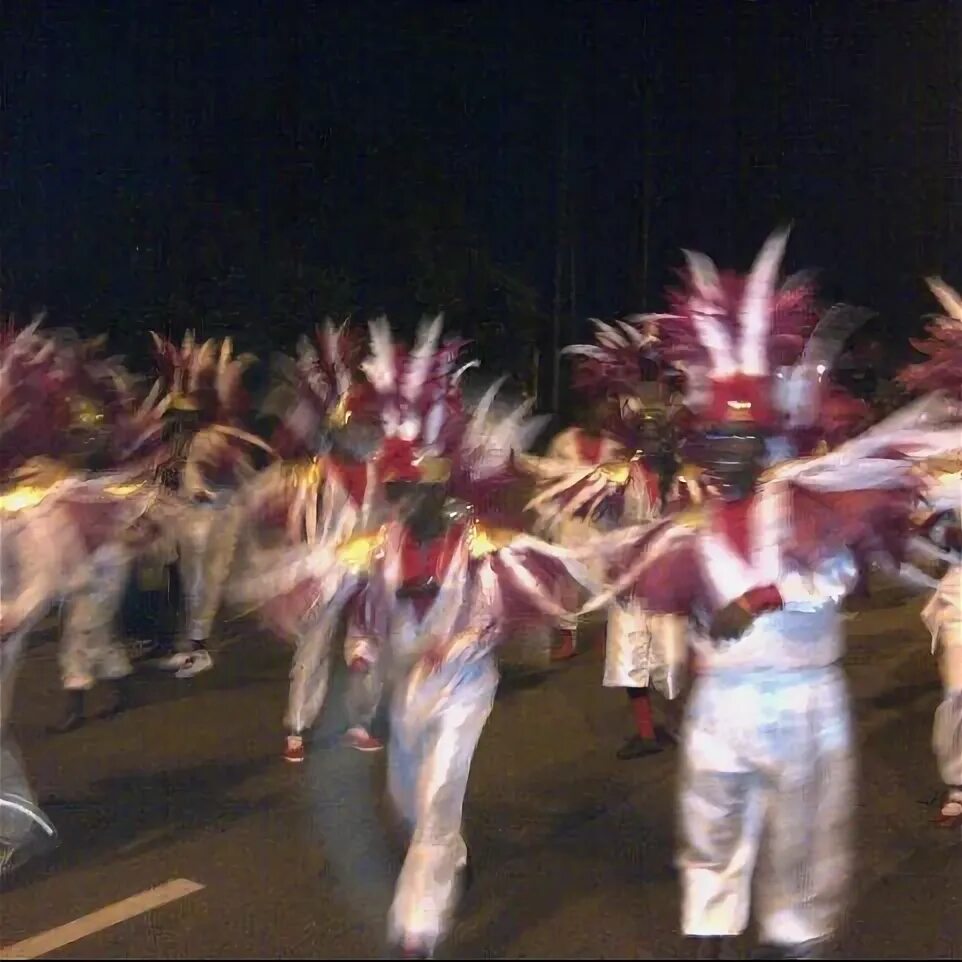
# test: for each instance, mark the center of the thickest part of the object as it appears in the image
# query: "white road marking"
(52, 939)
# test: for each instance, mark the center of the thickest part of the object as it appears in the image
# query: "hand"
(360, 666)
(731, 622)
(419, 589)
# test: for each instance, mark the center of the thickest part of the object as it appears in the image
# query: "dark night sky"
(315, 118)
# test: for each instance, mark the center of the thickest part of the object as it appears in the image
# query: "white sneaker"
(170, 662)
(194, 663)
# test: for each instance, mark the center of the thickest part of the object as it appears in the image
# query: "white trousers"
(310, 679)
(767, 786)
(436, 721)
(207, 540)
(947, 738)
(643, 649)
(89, 649)
(18, 807)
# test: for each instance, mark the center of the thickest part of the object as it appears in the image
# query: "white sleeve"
(831, 581)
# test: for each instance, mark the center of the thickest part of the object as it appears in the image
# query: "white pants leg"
(947, 738)
(434, 733)
(89, 649)
(768, 781)
(310, 677)
(207, 542)
(364, 690)
(18, 808)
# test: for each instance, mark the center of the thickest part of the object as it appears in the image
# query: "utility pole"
(559, 264)
(647, 166)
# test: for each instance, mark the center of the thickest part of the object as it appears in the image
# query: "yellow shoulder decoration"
(693, 518)
(616, 471)
(123, 490)
(483, 540)
(358, 553)
(309, 472)
(22, 497)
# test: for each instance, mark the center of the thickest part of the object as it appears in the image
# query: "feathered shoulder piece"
(204, 376)
(942, 369)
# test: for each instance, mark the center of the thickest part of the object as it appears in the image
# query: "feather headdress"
(942, 346)
(428, 434)
(36, 382)
(731, 334)
(314, 390)
(754, 351)
(204, 376)
(415, 396)
(621, 362)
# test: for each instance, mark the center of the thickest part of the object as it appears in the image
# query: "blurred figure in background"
(583, 446)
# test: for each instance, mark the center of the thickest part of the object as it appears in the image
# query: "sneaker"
(361, 740)
(565, 648)
(194, 663)
(950, 814)
(294, 750)
(412, 948)
(172, 662)
(38, 840)
(638, 747)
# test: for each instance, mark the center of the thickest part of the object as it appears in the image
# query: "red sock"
(641, 709)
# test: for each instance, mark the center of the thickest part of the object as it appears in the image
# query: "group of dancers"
(725, 502)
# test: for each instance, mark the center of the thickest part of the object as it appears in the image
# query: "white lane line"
(52, 939)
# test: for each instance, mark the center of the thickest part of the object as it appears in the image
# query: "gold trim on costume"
(341, 413)
(358, 554)
(617, 472)
(22, 497)
(433, 470)
(483, 540)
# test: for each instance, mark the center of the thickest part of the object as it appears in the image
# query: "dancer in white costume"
(207, 379)
(943, 614)
(761, 573)
(318, 492)
(582, 447)
(435, 592)
(110, 431)
(620, 374)
(53, 523)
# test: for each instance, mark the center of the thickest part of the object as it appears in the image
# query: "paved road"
(573, 849)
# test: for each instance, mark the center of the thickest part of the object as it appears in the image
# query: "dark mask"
(733, 462)
(419, 506)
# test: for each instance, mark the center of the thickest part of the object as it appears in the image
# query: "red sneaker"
(950, 815)
(361, 740)
(294, 750)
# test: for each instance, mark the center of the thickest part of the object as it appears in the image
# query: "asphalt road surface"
(572, 848)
